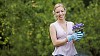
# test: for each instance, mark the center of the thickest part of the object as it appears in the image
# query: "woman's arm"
(54, 39)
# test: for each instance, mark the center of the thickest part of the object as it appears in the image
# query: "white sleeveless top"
(67, 49)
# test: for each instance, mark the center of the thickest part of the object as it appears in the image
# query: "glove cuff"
(69, 38)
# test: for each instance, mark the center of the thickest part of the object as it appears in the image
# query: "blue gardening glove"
(70, 37)
(78, 35)
(75, 36)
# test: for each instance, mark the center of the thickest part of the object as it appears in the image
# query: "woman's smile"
(60, 13)
(60, 16)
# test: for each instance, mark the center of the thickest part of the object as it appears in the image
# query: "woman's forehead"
(58, 5)
(59, 8)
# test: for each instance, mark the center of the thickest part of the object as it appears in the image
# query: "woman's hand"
(78, 35)
(75, 36)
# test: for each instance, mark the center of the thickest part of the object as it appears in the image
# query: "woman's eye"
(62, 11)
(57, 12)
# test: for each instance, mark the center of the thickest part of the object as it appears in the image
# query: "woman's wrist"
(66, 40)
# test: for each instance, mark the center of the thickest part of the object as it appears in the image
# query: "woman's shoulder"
(70, 22)
(52, 24)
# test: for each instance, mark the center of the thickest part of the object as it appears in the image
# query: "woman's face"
(60, 13)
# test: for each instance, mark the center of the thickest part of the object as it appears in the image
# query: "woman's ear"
(53, 13)
(65, 10)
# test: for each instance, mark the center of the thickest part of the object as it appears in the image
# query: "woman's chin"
(61, 18)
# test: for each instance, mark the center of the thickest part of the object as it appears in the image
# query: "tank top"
(68, 49)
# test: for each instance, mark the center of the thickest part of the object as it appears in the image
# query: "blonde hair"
(56, 6)
(59, 5)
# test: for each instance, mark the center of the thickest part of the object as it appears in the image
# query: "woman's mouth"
(60, 16)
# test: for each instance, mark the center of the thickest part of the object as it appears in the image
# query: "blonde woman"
(61, 33)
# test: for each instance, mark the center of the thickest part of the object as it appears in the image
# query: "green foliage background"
(24, 26)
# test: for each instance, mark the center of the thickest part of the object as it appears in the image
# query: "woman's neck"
(61, 21)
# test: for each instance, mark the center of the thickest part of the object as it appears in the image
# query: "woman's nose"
(60, 13)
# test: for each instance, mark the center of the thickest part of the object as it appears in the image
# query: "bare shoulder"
(52, 25)
(70, 22)
(52, 29)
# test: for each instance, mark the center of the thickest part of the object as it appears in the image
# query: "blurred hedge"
(24, 26)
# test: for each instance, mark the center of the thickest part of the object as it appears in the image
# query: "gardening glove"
(71, 37)
(75, 36)
(78, 35)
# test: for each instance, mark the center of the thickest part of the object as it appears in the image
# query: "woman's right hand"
(75, 36)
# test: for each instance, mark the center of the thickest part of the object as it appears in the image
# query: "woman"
(61, 33)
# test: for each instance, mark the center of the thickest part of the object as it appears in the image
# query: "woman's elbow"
(56, 44)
